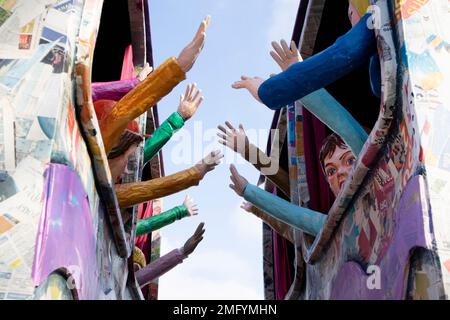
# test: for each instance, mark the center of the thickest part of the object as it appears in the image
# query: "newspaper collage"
(35, 57)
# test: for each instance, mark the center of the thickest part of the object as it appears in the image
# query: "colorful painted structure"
(61, 229)
(387, 235)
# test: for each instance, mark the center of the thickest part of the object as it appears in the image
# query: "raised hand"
(209, 162)
(239, 182)
(191, 206)
(189, 101)
(145, 72)
(285, 56)
(193, 241)
(251, 84)
(235, 139)
(247, 206)
(189, 54)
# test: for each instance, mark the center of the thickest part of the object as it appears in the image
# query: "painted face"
(353, 14)
(338, 167)
(119, 164)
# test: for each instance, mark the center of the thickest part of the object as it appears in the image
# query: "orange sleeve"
(130, 194)
(144, 96)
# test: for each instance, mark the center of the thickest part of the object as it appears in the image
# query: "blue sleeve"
(305, 219)
(348, 53)
(328, 110)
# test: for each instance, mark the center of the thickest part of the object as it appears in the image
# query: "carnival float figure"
(372, 243)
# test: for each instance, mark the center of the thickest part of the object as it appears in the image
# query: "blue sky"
(227, 264)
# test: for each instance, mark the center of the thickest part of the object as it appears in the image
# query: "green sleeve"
(160, 220)
(161, 135)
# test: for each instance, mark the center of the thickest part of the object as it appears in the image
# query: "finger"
(199, 41)
(181, 98)
(278, 50)
(294, 47)
(233, 179)
(276, 58)
(224, 143)
(229, 125)
(199, 101)
(218, 156)
(233, 187)
(241, 128)
(202, 232)
(221, 128)
(238, 85)
(199, 228)
(192, 87)
(245, 77)
(186, 92)
(196, 93)
(207, 21)
(201, 28)
(234, 171)
(285, 47)
(222, 136)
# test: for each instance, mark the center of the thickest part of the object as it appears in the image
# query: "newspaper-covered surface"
(35, 92)
(20, 26)
(18, 227)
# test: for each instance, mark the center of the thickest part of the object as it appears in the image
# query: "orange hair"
(104, 107)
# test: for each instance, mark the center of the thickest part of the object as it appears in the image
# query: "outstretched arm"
(348, 53)
(130, 194)
(147, 93)
(189, 103)
(188, 208)
(283, 229)
(323, 105)
(301, 218)
(116, 90)
(172, 259)
(237, 140)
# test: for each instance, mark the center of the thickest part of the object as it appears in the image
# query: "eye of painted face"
(330, 171)
(351, 160)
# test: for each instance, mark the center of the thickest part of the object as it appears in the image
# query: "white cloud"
(284, 13)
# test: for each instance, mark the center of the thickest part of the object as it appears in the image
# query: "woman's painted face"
(353, 14)
(338, 167)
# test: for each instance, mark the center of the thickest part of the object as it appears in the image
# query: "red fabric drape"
(282, 268)
(314, 132)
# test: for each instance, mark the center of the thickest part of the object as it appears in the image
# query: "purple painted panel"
(66, 238)
(411, 219)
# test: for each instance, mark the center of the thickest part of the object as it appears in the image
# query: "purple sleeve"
(159, 267)
(114, 90)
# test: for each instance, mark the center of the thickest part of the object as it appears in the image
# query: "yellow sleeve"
(144, 96)
(130, 194)
(283, 229)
